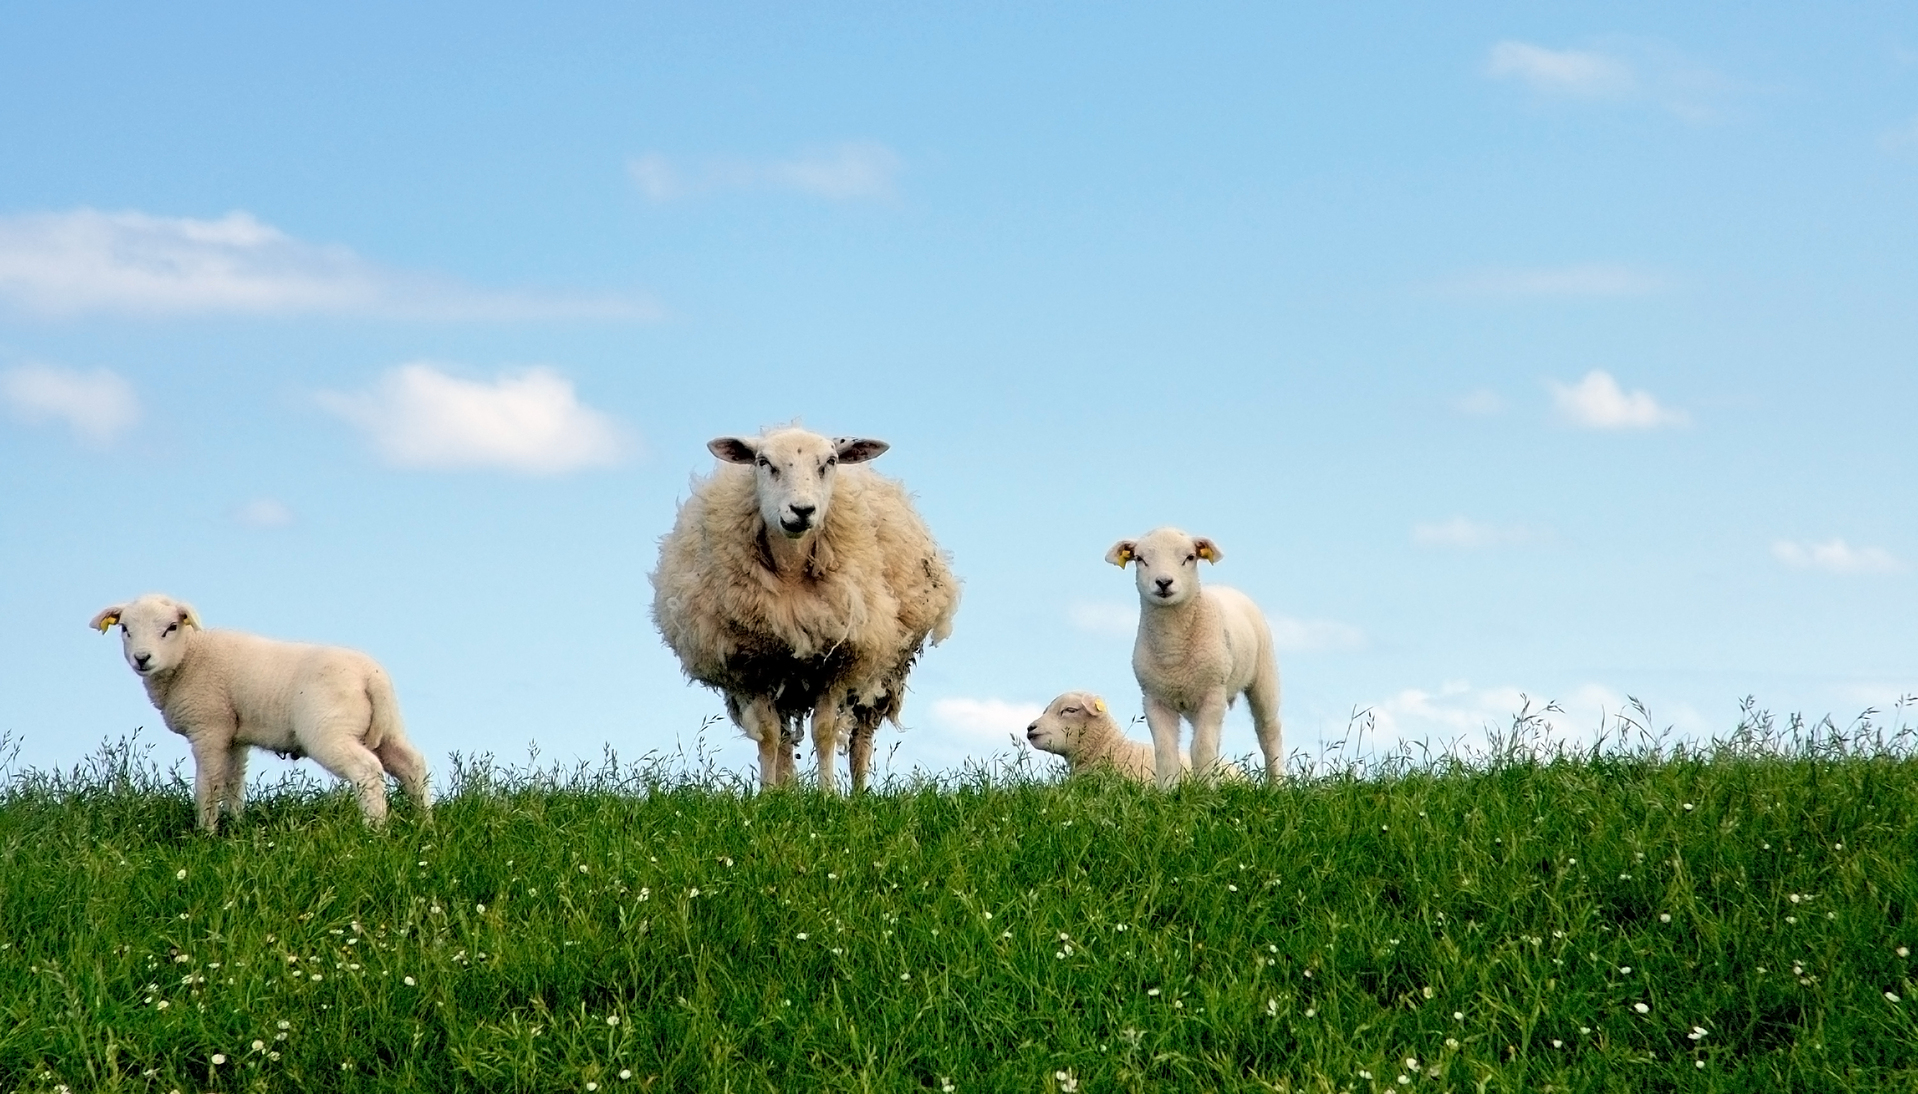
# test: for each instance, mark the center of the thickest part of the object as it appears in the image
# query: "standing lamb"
(225, 691)
(1197, 651)
(799, 584)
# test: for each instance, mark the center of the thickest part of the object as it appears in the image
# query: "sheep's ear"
(188, 617)
(1122, 552)
(1208, 550)
(858, 449)
(733, 449)
(107, 618)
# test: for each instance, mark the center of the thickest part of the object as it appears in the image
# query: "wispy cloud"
(1458, 714)
(97, 406)
(1482, 403)
(1837, 557)
(1620, 70)
(531, 421)
(853, 171)
(1901, 137)
(1597, 402)
(1104, 618)
(263, 513)
(89, 262)
(1466, 534)
(1291, 635)
(1587, 280)
(1584, 74)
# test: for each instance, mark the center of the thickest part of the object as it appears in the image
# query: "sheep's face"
(1168, 564)
(795, 471)
(1064, 724)
(152, 631)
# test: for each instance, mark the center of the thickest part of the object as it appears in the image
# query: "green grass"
(994, 932)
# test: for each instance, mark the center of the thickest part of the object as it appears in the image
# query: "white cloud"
(1460, 715)
(1597, 402)
(1592, 280)
(1582, 74)
(1481, 403)
(419, 416)
(1314, 635)
(845, 172)
(1900, 137)
(1837, 557)
(263, 513)
(98, 406)
(132, 263)
(1625, 71)
(1105, 618)
(1467, 534)
(979, 727)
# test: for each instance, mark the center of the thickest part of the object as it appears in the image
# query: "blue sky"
(1503, 349)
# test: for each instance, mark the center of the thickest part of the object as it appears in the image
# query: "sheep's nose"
(1163, 583)
(140, 660)
(803, 512)
(1032, 729)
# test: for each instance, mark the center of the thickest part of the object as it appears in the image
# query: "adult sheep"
(225, 692)
(1197, 650)
(802, 585)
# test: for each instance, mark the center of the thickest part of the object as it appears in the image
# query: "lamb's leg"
(233, 782)
(1163, 719)
(209, 777)
(340, 751)
(1207, 721)
(825, 735)
(404, 762)
(1263, 698)
(761, 723)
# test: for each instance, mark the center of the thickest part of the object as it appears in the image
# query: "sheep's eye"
(1192, 558)
(831, 460)
(171, 627)
(1068, 710)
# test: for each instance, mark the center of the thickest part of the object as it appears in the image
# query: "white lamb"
(1080, 728)
(225, 691)
(1198, 650)
(800, 585)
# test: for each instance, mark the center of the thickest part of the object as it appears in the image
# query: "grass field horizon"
(1638, 914)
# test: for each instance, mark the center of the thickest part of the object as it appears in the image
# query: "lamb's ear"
(733, 449)
(188, 617)
(858, 449)
(107, 618)
(1208, 550)
(1122, 552)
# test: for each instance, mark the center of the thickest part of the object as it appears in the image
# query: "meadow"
(1736, 915)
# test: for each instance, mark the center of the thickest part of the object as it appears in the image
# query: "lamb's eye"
(1068, 710)
(171, 627)
(1192, 558)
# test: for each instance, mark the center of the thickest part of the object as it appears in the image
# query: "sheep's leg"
(825, 736)
(1263, 698)
(790, 735)
(1163, 719)
(761, 722)
(209, 778)
(1207, 720)
(398, 756)
(233, 781)
(859, 746)
(342, 753)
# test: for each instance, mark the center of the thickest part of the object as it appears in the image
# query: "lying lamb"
(225, 691)
(800, 585)
(1198, 649)
(1079, 727)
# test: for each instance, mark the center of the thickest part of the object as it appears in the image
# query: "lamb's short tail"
(386, 711)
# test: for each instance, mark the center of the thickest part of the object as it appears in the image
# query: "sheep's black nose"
(1163, 583)
(140, 660)
(803, 511)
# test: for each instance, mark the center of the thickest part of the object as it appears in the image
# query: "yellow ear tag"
(1098, 706)
(1205, 553)
(107, 623)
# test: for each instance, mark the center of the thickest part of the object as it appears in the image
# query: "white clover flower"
(1688, 807)
(1664, 917)
(409, 981)
(1458, 1016)
(1311, 1012)
(259, 1045)
(219, 1058)
(1641, 1008)
(181, 876)
(1904, 951)
(1892, 996)
(1626, 969)
(1697, 1033)
(1451, 1043)
(905, 976)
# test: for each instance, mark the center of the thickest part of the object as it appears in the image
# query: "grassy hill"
(1733, 917)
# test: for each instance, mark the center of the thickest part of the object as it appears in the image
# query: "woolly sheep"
(225, 691)
(1197, 650)
(799, 584)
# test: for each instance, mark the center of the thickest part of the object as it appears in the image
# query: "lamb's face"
(1168, 564)
(795, 470)
(1063, 725)
(152, 631)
